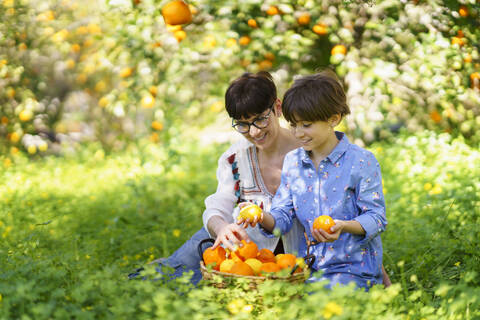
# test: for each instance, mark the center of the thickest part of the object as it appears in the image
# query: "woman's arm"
(225, 233)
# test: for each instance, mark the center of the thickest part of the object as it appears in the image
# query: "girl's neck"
(317, 155)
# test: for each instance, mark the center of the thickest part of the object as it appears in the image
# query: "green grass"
(72, 228)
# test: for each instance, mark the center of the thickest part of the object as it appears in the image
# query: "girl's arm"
(341, 226)
(281, 214)
(371, 219)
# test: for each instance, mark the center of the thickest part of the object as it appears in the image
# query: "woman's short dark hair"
(250, 94)
(315, 97)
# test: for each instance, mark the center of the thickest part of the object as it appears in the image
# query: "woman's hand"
(230, 235)
(323, 236)
(248, 221)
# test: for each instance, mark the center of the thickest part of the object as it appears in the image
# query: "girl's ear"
(277, 108)
(335, 120)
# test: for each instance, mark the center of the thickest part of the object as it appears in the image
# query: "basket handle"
(200, 246)
(309, 259)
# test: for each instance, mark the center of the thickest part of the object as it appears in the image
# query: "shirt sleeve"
(282, 208)
(370, 200)
(223, 201)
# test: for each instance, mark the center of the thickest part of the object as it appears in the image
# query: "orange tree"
(116, 72)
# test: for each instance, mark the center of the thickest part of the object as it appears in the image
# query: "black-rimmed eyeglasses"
(259, 123)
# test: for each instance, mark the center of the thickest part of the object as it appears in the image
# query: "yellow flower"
(436, 190)
(1, 298)
(137, 256)
(236, 305)
(457, 264)
(427, 186)
(247, 308)
(87, 256)
(7, 163)
(176, 233)
(331, 309)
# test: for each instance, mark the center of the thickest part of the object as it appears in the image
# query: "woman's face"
(263, 127)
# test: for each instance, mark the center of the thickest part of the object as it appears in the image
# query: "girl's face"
(316, 136)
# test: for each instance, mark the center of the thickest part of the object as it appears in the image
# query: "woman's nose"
(254, 131)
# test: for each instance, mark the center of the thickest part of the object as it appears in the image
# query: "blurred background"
(112, 73)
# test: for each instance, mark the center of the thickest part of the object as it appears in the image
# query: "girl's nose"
(298, 133)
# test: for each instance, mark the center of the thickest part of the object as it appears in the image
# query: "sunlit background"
(113, 72)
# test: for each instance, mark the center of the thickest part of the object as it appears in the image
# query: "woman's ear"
(277, 108)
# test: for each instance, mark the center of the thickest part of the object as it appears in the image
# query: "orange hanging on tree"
(320, 29)
(304, 19)
(339, 49)
(176, 12)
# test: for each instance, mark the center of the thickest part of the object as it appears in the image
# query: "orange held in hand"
(215, 257)
(323, 222)
(250, 211)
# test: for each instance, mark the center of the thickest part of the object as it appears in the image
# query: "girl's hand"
(323, 236)
(230, 235)
(248, 219)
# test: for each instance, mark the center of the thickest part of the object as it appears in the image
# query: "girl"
(328, 175)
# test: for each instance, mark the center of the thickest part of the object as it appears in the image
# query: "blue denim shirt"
(347, 185)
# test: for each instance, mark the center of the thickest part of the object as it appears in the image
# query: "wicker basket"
(222, 279)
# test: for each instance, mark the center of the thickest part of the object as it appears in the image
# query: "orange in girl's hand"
(247, 250)
(323, 222)
(215, 257)
(287, 260)
(265, 255)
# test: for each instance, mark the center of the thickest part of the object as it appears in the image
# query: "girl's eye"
(306, 125)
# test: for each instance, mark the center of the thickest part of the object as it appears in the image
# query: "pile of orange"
(247, 260)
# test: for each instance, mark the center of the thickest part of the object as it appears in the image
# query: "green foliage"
(114, 72)
(72, 228)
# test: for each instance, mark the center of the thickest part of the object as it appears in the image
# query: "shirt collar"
(336, 153)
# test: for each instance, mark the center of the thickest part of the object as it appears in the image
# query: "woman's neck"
(284, 143)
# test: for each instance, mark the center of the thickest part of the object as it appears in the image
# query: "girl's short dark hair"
(250, 94)
(315, 97)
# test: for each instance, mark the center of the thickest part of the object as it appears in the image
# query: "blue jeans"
(186, 258)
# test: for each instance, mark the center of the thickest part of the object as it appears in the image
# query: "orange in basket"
(248, 250)
(269, 267)
(265, 255)
(287, 260)
(241, 268)
(215, 256)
